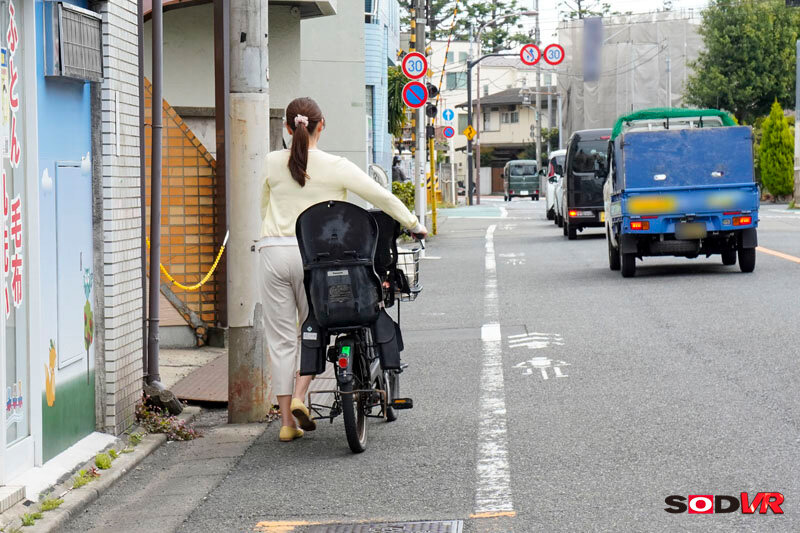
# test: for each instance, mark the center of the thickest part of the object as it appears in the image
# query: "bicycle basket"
(408, 266)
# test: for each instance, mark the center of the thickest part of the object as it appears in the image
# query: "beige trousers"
(285, 309)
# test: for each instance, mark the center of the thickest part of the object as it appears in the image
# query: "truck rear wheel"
(747, 259)
(614, 262)
(560, 221)
(628, 265)
(572, 232)
(729, 257)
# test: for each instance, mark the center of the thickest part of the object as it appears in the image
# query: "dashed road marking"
(493, 491)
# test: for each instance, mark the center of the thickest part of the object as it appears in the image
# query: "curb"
(77, 500)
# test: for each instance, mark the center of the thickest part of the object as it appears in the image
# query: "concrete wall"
(284, 56)
(188, 55)
(332, 73)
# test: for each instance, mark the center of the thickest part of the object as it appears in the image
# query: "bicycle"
(353, 273)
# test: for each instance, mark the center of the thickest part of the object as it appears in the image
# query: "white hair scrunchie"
(300, 119)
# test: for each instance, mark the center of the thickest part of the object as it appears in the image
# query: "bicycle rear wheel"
(355, 419)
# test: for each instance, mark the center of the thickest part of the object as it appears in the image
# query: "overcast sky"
(550, 11)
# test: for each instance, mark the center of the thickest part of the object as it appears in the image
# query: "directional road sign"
(448, 115)
(530, 54)
(415, 65)
(415, 94)
(469, 131)
(554, 54)
(449, 131)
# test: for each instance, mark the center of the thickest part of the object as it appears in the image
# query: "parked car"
(583, 185)
(555, 170)
(682, 188)
(521, 178)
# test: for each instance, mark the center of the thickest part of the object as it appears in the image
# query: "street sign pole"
(419, 161)
(469, 139)
(538, 97)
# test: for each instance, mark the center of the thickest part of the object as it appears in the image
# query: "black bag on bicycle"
(313, 347)
(386, 334)
(337, 244)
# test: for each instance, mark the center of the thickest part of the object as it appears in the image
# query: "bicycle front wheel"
(355, 419)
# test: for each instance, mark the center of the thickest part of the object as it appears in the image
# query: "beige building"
(506, 117)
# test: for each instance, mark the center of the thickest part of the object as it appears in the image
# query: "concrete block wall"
(121, 212)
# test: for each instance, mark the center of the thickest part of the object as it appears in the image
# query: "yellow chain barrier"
(205, 278)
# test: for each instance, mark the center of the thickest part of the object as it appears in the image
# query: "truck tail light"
(640, 225)
(742, 221)
(573, 213)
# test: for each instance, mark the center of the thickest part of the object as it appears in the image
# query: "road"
(550, 394)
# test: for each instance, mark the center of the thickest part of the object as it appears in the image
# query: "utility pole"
(419, 161)
(470, 59)
(248, 375)
(538, 95)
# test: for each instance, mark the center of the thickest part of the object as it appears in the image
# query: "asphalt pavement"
(594, 398)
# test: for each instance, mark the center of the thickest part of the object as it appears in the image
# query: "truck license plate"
(523, 193)
(690, 230)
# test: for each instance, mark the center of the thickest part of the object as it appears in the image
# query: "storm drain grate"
(439, 526)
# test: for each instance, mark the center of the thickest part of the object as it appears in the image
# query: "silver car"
(555, 191)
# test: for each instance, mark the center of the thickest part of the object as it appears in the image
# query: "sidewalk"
(174, 365)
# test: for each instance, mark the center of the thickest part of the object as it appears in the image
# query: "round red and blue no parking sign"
(449, 132)
(415, 94)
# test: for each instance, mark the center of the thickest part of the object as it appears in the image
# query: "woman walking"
(296, 179)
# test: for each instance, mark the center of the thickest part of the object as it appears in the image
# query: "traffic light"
(430, 132)
(430, 108)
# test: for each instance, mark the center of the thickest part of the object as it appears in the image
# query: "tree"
(397, 109)
(776, 153)
(578, 9)
(496, 36)
(748, 60)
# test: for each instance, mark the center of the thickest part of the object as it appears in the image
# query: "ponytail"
(303, 116)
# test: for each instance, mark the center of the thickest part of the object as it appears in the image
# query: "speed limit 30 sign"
(554, 54)
(415, 65)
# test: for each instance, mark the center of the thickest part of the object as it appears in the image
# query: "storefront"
(21, 425)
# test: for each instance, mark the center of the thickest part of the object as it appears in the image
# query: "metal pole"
(538, 96)
(560, 126)
(419, 160)
(432, 152)
(453, 198)
(142, 184)
(469, 141)
(797, 129)
(478, 125)
(155, 193)
(249, 143)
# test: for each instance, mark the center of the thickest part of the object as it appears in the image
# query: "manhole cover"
(440, 526)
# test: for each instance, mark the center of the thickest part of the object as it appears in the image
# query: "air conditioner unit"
(73, 42)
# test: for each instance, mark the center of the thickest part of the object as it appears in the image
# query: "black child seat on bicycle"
(343, 247)
(337, 244)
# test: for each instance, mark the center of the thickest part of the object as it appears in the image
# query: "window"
(368, 104)
(456, 80)
(462, 57)
(371, 11)
(510, 117)
(451, 57)
(487, 121)
(486, 90)
(462, 122)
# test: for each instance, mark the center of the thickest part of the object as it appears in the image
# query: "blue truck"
(680, 183)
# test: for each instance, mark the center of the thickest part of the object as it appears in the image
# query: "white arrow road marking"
(493, 490)
(535, 341)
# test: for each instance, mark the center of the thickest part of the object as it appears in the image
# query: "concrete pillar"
(248, 375)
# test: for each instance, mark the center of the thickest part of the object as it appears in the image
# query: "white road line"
(493, 490)
(544, 373)
(503, 212)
